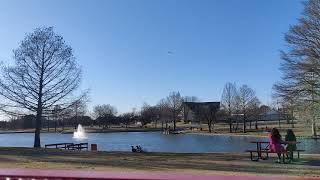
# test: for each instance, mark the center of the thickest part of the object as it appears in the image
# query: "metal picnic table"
(266, 149)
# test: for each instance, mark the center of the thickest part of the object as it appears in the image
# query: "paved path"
(64, 174)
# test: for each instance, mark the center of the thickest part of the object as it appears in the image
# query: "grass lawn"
(205, 163)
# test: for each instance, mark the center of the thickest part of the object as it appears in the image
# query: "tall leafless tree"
(104, 114)
(149, 114)
(208, 113)
(289, 107)
(164, 112)
(301, 66)
(104, 110)
(228, 101)
(45, 74)
(175, 104)
(247, 100)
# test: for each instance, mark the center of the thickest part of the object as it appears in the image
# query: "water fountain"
(80, 134)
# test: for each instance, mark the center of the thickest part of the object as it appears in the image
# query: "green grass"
(204, 163)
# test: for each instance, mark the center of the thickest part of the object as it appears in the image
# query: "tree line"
(299, 90)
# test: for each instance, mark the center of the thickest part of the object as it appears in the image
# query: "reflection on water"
(152, 141)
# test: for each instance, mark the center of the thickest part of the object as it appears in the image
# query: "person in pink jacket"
(275, 142)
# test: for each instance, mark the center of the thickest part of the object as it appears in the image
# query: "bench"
(267, 152)
(299, 150)
(79, 146)
(58, 145)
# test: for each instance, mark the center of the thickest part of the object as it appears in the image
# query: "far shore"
(88, 131)
(115, 130)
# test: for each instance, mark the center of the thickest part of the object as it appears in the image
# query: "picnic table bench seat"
(267, 152)
(58, 145)
(68, 146)
(79, 146)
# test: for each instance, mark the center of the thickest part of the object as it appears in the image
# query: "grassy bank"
(205, 163)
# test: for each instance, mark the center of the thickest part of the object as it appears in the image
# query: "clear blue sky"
(122, 45)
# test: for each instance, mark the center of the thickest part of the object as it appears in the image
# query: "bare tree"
(208, 112)
(301, 66)
(127, 118)
(149, 114)
(45, 74)
(104, 110)
(104, 114)
(175, 104)
(247, 100)
(289, 107)
(254, 112)
(228, 101)
(77, 109)
(164, 112)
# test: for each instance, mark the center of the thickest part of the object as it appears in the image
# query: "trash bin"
(93, 147)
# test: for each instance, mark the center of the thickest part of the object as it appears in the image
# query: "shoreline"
(88, 131)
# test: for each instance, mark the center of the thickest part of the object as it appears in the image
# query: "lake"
(152, 142)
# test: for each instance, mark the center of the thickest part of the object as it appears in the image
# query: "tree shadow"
(313, 163)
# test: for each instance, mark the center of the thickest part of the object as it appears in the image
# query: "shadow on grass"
(313, 163)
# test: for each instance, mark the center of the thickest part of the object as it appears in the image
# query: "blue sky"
(122, 45)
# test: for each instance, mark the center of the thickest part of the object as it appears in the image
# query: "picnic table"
(58, 145)
(259, 149)
(68, 146)
(79, 146)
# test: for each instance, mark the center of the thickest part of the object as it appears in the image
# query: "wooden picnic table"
(58, 145)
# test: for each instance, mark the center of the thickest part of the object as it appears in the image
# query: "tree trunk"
(162, 125)
(38, 127)
(244, 123)
(209, 126)
(48, 128)
(279, 117)
(37, 143)
(292, 122)
(314, 128)
(174, 121)
(230, 124)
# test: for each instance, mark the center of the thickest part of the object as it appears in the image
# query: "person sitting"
(275, 143)
(290, 136)
(133, 149)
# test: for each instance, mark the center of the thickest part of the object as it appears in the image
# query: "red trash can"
(93, 147)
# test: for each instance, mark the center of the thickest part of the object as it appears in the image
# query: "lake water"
(152, 142)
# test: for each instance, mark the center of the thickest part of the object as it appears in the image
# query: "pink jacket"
(275, 146)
